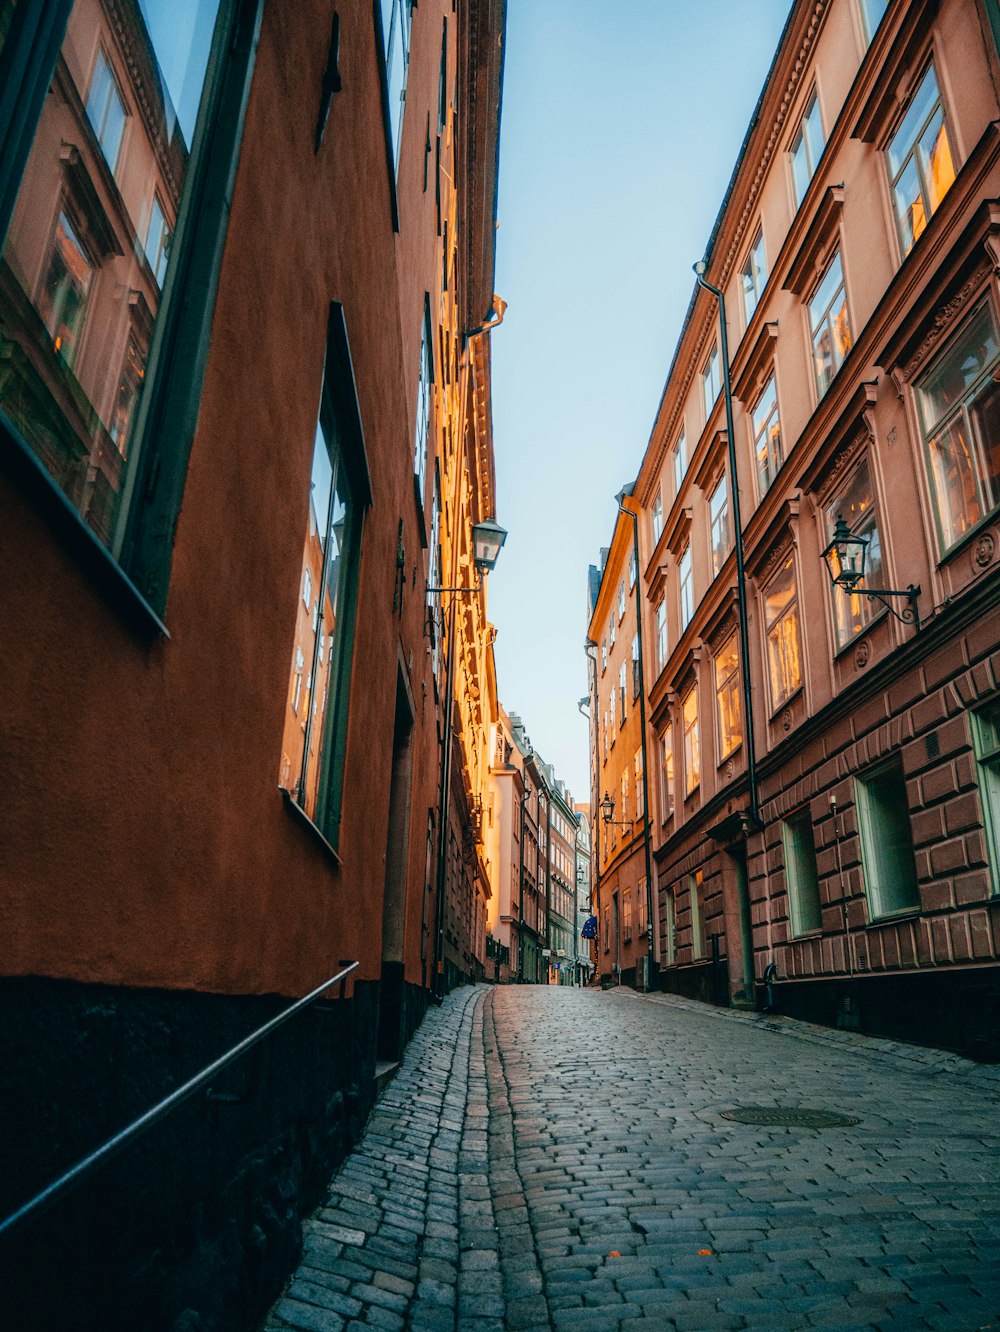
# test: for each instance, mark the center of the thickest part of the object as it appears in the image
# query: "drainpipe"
(590, 652)
(646, 832)
(753, 813)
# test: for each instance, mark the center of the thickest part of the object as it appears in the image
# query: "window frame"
(666, 746)
(863, 524)
(775, 457)
(791, 607)
(825, 320)
(731, 681)
(985, 717)
(692, 742)
(873, 841)
(753, 276)
(912, 154)
(711, 381)
(680, 462)
(718, 520)
(801, 137)
(685, 586)
(393, 138)
(798, 868)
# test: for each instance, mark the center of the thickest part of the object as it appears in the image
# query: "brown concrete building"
(858, 250)
(619, 865)
(244, 406)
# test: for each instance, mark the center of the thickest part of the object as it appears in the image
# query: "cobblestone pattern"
(557, 1158)
(647, 1207)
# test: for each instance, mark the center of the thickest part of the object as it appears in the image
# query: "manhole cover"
(788, 1116)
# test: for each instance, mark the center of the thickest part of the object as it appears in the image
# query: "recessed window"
(854, 501)
(986, 737)
(921, 166)
(640, 784)
(66, 290)
(721, 531)
(667, 773)
(680, 462)
(627, 917)
(753, 276)
(661, 633)
(611, 632)
(669, 928)
(434, 613)
(656, 518)
(686, 587)
(622, 676)
(692, 740)
(959, 402)
(422, 441)
(807, 149)
(886, 842)
(604, 654)
(767, 437)
(640, 907)
(396, 17)
(781, 624)
(697, 915)
(710, 382)
(801, 875)
(829, 324)
(631, 568)
(157, 244)
(621, 600)
(727, 697)
(635, 667)
(106, 110)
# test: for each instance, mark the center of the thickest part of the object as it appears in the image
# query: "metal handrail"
(75, 1175)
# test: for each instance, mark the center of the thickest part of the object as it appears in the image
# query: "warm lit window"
(781, 624)
(667, 773)
(422, 440)
(718, 512)
(127, 398)
(314, 735)
(753, 276)
(921, 166)
(959, 401)
(727, 694)
(692, 741)
(986, 736)
(829, 325)
(157, 245)
(872, 12)
(710, 381)
(66, 290)
(656, 518)
(640, 785)
(886, 842)
(106, 111)
(767, 437)
(680, 462)
(807, 149)
(800, 874)
(661, 633)
(686, 587)
(697, 915)
(854, 501)
(396, 51)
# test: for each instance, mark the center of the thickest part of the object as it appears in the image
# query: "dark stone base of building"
(958, 1011)
(195, 1226)
(708, 982)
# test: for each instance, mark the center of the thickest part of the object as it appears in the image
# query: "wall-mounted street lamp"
(845, 558)
(607, 808)
(487, 542)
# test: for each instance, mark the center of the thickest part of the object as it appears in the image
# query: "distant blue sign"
(589, 930)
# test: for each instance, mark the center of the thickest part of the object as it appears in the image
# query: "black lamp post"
(845, 559)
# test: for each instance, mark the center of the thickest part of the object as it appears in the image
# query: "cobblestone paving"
(556, 1158)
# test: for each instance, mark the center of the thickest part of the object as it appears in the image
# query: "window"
(680, 462)
(886, 842)
(106, 111)
(623, 688)
(396, 51)
(710, 381)
(697, 918)
(75, 350)
(767, 437)
(829, 325)
(421, 445)
(661, 633)
(753, 276)
(640, 785)
(718, 512)
(781, 624)
(921, 167)
(872, 12)
(157, 245)
(800, 875)
(692, 742)
(315, 734)
(635, 666)
(611, 632)
(667, 773)
(686, 587)
(612, 705)
(657, 517)
(621, 600)
(807, 149)
(625, 817)
(604, 654)
(727, 694)
(434, 614)
(986, 739)
(640, 907)
(670, 929)
(307, 589)
(631, 570)
(959, 404)
(855, 503)
(627, 916)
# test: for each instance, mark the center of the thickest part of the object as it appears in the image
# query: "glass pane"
(801, 173)
(935, 155)
(913, 122)
(813, 132)
(873, 11)
(890, 845)
(800, 870)
(966, 358)
(78, 298)
(779, 593)
(827, 290)
(910, 209)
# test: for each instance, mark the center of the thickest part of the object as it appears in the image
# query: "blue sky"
(621, 126)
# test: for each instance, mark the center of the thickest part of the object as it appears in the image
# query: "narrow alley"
(563, 1158)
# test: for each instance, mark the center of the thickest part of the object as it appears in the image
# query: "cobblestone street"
(558, 1158)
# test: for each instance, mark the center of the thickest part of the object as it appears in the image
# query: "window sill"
(785, 702)
(300, 816)
(967, 538)
(806, 935)
(84, 547)
(894, 917)
(849, 644)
